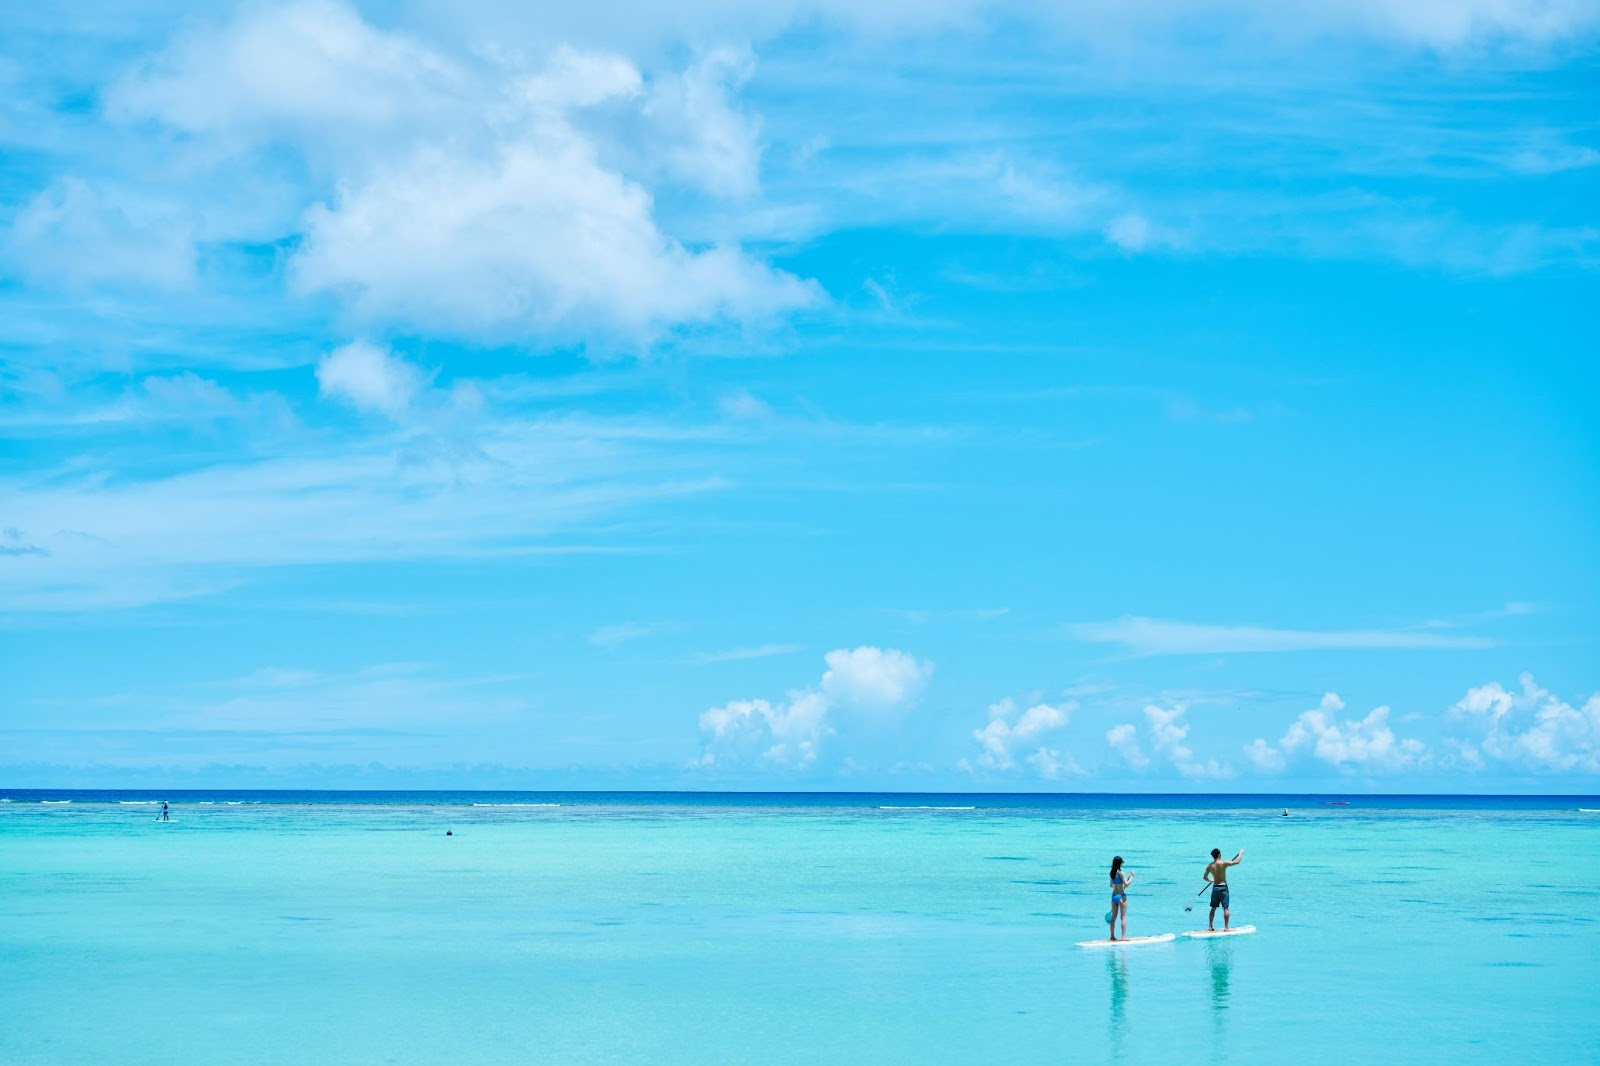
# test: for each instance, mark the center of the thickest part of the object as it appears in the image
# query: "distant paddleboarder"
(165, 815)
(1217, 876)
(1120, 880)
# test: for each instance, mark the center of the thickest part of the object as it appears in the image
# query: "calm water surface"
(347, 927)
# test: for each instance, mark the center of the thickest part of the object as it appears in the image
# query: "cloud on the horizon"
(1167, 737)
(790, 733)
(403, 712)
(1365, 746)
(1528, 728)
(1004, 741)
(1152, 636)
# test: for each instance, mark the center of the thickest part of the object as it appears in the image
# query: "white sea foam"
(55, 801)
(138, 803)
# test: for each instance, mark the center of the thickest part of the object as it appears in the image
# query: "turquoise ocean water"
(570, 928)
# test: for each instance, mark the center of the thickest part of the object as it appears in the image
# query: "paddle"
(1197, 896)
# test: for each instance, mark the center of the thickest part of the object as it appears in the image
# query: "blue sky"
(807, 395)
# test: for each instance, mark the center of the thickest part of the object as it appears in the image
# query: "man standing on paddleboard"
(1217, 875)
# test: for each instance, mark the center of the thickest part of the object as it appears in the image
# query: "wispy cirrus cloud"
(613, 636)
(288, 697)
(1153, 636)
(760, 651)
(113, 538)
(919, 617)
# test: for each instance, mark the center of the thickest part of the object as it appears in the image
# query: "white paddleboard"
(1131, 941)
(1205, 934)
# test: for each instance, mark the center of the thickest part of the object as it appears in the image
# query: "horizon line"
(810, 792)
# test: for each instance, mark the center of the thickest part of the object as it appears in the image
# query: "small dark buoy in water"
(451, 832)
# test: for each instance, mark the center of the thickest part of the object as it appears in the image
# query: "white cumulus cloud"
(1357, 746)
(707, 141)
(785, 734)
(790, 733)
(313, 68)
(874, 677)
(462, 196)
(1264, 757)
(1529, 728)
(369, 378)
(538, 239)
(1167, 736)
(1124, 740)
(1053, 764)
(1009, 733)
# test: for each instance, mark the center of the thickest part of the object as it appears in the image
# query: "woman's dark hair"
(1116, 864)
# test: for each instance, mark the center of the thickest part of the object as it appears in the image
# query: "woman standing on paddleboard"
(1120, 880)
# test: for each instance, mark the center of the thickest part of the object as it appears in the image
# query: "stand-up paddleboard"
(1206, 934)
(1130, 941)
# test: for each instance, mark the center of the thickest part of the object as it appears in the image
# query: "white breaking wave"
(55, 801)
(138, 803)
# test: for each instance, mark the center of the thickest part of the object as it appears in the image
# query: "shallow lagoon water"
(267, 928)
